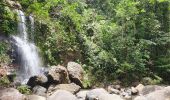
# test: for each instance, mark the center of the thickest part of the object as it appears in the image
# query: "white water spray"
(27, 52)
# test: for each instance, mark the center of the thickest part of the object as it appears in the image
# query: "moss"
(24, 89)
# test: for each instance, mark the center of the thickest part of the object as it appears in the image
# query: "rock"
(150, 88)
(11, 94)
(3, 72)
(81, 95)
(58, 74)
(39, 90)
(37, 80)
(140, 98)
(134, 91)
(75, 73)
(163, 94)
(62, 95)
(112, 90)
(13, 4)
(107, 96)
(127, 97)
(140, 87)
(95, 93)
(118, 87)
(73, 88)
(35, 97)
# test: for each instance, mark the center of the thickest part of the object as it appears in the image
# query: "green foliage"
(4, 81)
(119, 40)
(24, 89)
(4, 57)
(8, 20)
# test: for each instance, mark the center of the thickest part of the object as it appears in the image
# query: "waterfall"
(32, 26)
(29, 60)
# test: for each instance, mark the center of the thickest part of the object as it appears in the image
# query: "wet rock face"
(37, 80)
(58, 74)
(11, 94)
(75, 71)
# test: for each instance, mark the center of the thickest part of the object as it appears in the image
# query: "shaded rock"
(75, 71)
(81, 95)
(37, 80)
(150, 88)
(58, 74)
(107, 96)
(95, 93)
(11, 94)
(35, 97)
(73, 88)
(62, 95)
(39, 90)
(134, 91)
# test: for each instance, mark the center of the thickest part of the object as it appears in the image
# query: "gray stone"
(134, 91)
(161, 94)
(95, 93)
(62, 95)
(75, 71)
(39, 90)
(81, 95)
(11, 94)
(150, 88)
(107, 96)
(58, 74)
(113, 90)
(35, 97)
(73, 88)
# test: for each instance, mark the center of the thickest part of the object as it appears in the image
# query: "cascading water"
(29, 60)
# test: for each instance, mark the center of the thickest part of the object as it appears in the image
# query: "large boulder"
(163, 94)
(73, 88)
(149, 88)
(95, 93)
(37, 80)
(75, 71)
(35, 97)
(11, 94)
(107, 96)
(81, 95)
(58, 74)
(62, 95)
(39, 90)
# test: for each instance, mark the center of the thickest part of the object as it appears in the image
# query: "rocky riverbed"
(65, 83)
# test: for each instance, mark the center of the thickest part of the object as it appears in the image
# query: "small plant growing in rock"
(24, 89)
(4, 81)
